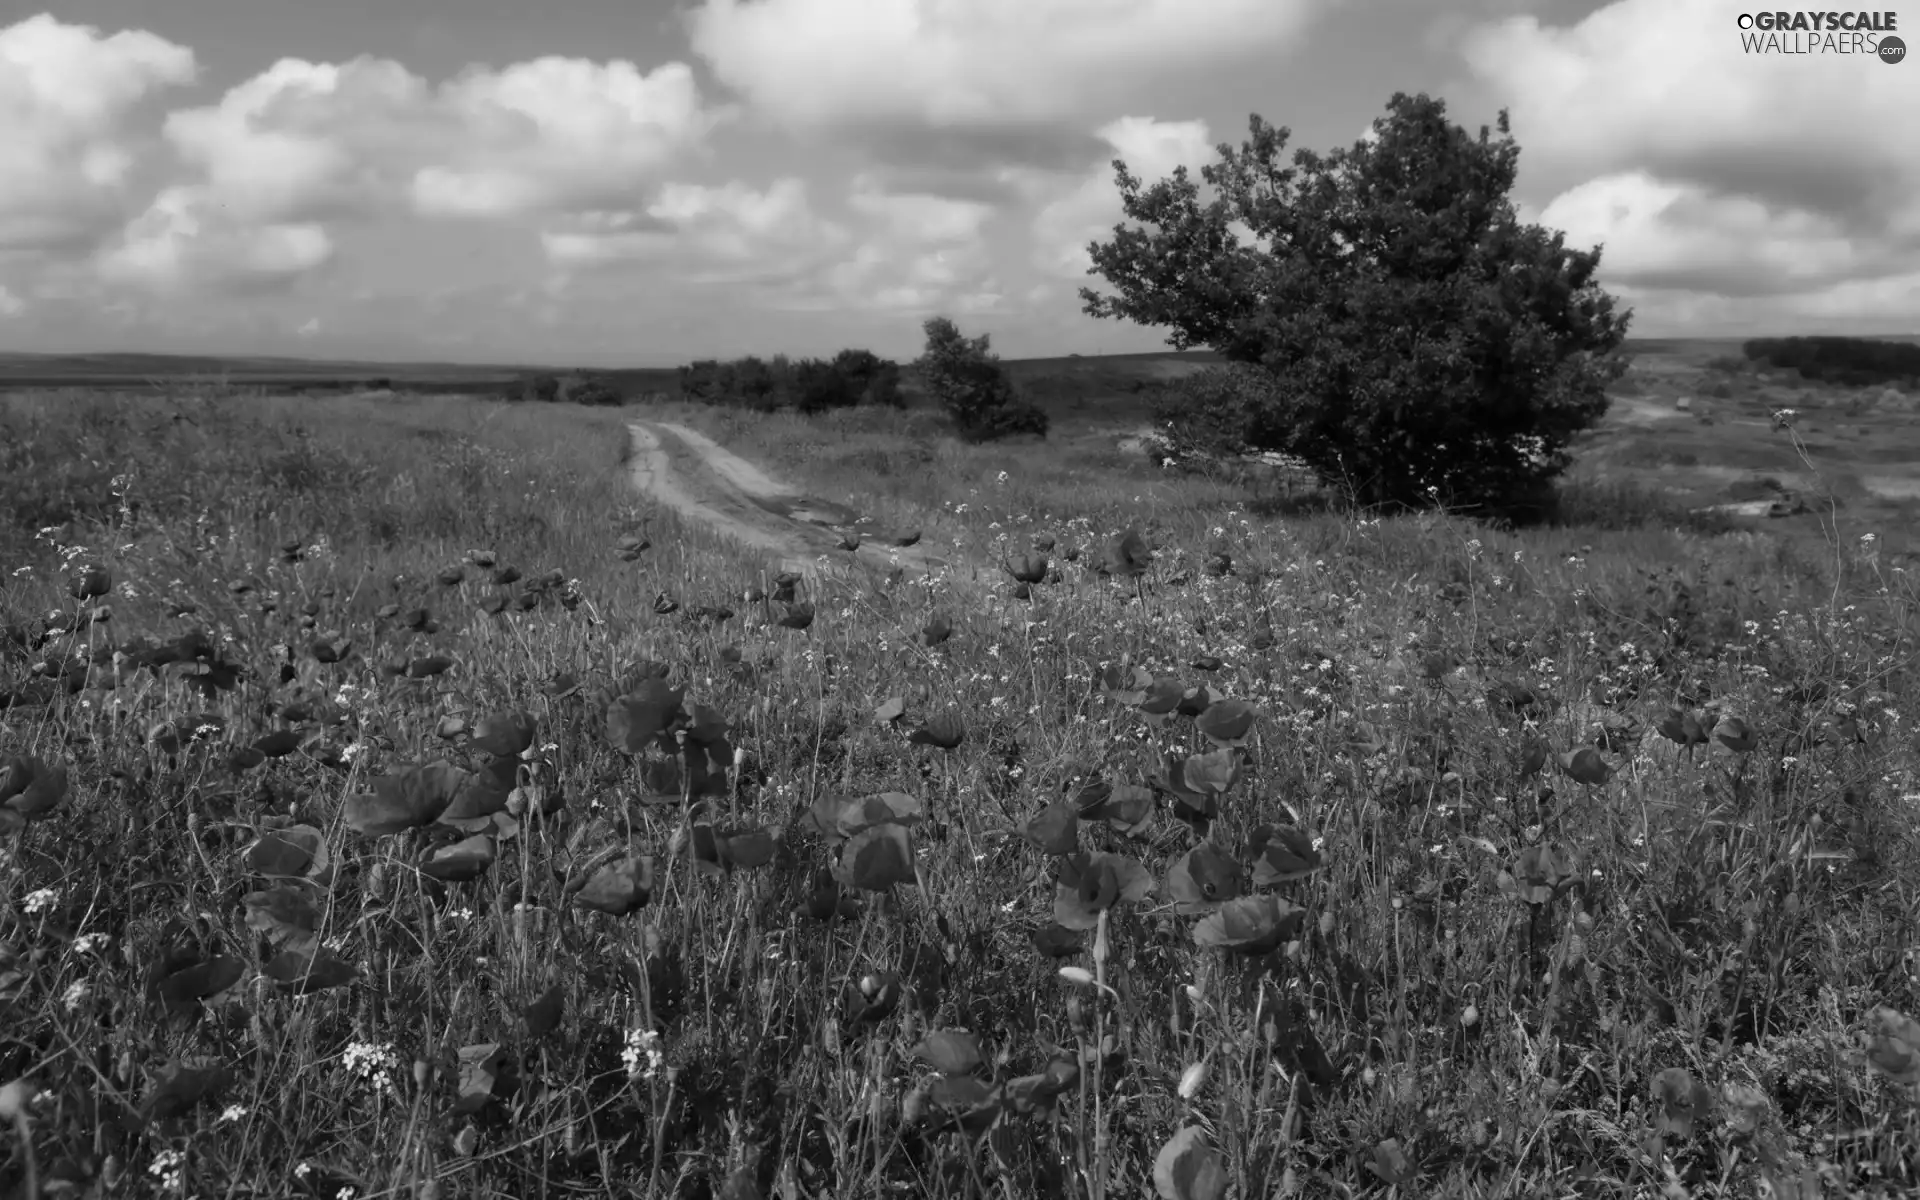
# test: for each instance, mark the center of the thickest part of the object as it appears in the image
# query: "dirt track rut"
(703, 481)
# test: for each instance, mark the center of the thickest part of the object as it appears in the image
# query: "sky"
(645, 182)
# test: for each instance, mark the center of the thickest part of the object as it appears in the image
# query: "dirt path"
(704, 481)
(1632, 410)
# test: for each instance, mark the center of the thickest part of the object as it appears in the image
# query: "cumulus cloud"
(1665, 85)
(559, 133)
(919, 216)
(917, 252)
(549, 135)
(70, 102)
(1702, 169)
(709, 233)
(183, 242)
(819, 63)
(1890, 304)
(890, 249)
(1151, 149)
(284, 155)
(1659, 233)
(304, 140)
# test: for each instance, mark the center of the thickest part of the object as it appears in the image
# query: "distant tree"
(1848, 361)
(883, 387)
(785, 385)
(966, 377)
(810, 385)
(818, 387)
(852, 378)
(872, 379)
(1421, 342)
(754, 384)
(543, 388)
(593, 391)
(700, 380)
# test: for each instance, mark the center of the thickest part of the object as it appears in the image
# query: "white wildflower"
(372, 1062)
(169, 1168)
(642, 1054)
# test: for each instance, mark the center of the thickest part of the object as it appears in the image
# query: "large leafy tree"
(1419, 342)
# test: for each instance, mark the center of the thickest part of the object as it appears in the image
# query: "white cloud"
(974, 62)
(10, 304)
(308, 140)
(1664, 84)
(891, 249)
(1704, 169)
(1151, 149)
(1855, 306)
(549, 135)
(283, 156)
(919, 217)
(184, 242)
(70, 98)
(918, 252)
(709, 232)
(557, 134)
(1657, 232)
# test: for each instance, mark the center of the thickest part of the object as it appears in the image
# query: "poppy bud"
(1077, 1015)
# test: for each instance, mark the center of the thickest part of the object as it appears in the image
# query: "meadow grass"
(1498, 965)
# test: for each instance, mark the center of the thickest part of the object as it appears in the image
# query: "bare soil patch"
(704, 481)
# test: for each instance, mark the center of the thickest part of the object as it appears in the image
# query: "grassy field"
(1331, 856)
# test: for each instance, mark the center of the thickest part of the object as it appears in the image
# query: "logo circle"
(1745, 21)
(1892, 49)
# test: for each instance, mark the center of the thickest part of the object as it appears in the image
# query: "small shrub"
(702, 380)
(871, 379)
(1217, 411)
(967, 379)
(1764, 487)
(593, 392)
(1007, 420)
(809, 385)
(853, 378)
(542, 388)
(1622, 505)
(754, 384)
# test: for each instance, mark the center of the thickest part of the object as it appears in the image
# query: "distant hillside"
(1067, 379)
(124, 370)
(1072, 374)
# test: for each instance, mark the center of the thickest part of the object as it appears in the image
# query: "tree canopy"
(1422, 343)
